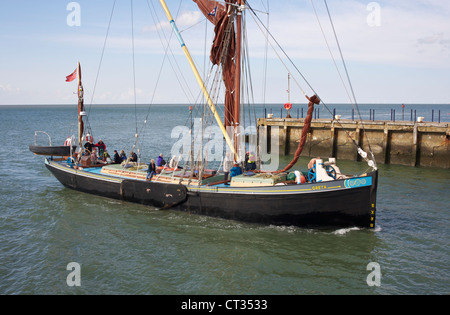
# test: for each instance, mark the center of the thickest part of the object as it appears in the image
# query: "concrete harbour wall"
(401, 142)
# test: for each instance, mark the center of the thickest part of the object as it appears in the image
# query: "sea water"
(52, 237)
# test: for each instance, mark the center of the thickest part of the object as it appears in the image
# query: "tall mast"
(80, 108)
(211, 105)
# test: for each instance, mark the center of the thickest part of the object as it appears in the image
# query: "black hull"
(316, 206)
(52, 150)
(148, 193)
(313, 210)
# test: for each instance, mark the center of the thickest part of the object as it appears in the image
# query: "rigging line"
(284, 52)
(290, 60)
(166, 54)
(156, 84)
(212, 91)
(271, 36)
(331, 53)
(167, 50)
(204, 54)
(100, 64)
(334, 61)
(208, 77)
(265, 57)
(340, 52)
(186, 87)
(134, 66)
(189, 27)
(251, 97)
(103, 52)
(215, 89)
(337, 69)
(248, 78)
(346, 71)
(281, 60)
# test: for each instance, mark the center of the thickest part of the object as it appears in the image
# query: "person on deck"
(160, 161)
(151, 170)
(123, 156)
(70, 162)
(227, 165)
(246, 159)
(133, 157)
(236, 170)
(116, 157)
(94, 156)
(89, 145)
(106, 157)
(312, 162)
(251, 162)
(101, 147)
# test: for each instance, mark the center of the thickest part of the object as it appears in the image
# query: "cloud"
(438, 40)
(129, 94)
(185, 20)
(8, 88)
(410, 33)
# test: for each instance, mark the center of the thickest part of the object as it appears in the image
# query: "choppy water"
(124, 248)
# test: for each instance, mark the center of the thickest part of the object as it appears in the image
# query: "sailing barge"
(326, 199)
(336, 203)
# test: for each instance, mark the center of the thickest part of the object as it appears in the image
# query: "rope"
(331, 53)
(312, 100)
(103, 52)
(134, 66)
(309, 85)
(342, 80)
(166, 56)
(348, 78)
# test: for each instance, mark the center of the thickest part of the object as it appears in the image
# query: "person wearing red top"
(101, 147)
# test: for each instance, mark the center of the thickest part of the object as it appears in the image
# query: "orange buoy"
(288, 106)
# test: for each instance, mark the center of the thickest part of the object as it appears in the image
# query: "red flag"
(72, 76)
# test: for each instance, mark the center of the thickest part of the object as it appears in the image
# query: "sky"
(395, 51)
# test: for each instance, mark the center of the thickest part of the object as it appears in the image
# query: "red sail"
(223, 48)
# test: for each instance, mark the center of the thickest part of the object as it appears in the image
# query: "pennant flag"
(72, 76)
(213, 12)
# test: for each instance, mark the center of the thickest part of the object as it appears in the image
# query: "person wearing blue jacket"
(235, 170)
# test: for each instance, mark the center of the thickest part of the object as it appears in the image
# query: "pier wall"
(400, 142)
